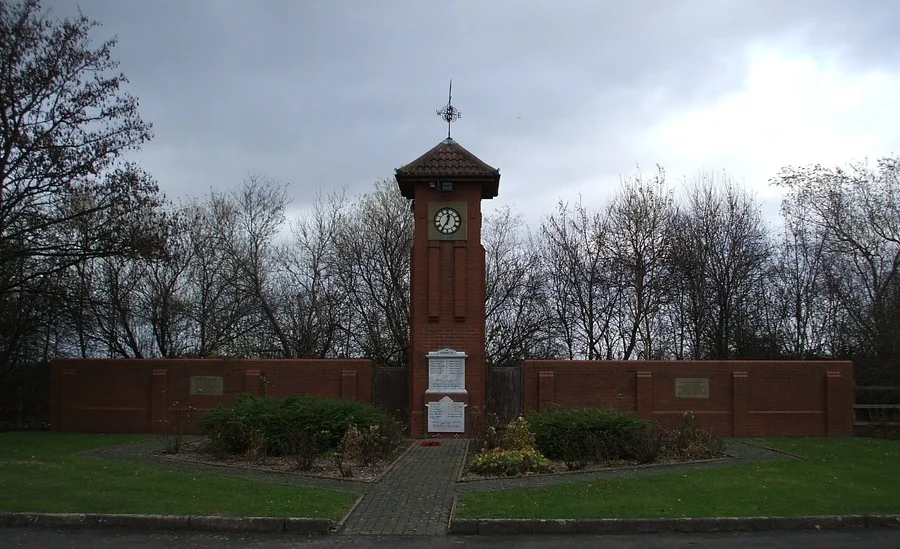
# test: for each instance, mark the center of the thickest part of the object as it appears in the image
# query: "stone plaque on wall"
(206, 385)
(446, 416)
(446, 371)
(691, 387)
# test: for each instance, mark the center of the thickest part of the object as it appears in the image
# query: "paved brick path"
(415, 497)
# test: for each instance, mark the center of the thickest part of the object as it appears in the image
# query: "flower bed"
(585, 439)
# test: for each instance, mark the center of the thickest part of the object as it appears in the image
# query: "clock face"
(447, 220)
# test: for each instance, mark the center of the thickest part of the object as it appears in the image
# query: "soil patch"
(559, 467)
(198, 452)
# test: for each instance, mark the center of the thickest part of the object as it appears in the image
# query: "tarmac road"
(32, 538)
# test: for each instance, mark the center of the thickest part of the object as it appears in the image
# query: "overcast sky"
(565, 97)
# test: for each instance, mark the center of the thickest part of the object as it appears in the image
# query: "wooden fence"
(504, 392)
(390, 391)
(877, 407)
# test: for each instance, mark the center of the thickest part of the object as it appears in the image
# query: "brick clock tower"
(447, 326)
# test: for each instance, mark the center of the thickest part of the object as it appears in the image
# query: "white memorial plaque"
(446, 371)
(207, 385)
(446, 416)
(691, 387)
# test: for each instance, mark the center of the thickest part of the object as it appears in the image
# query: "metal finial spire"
(450, 114)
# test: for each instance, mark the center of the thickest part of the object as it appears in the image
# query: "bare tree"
(247, 222)
(64, 121)
(720, 253)
(517, 317)
(855, 212)
(800, 292)
(163, 298)
(583, 295)
(640, 218)
(374, 249)
(317, 311)
(216, 308)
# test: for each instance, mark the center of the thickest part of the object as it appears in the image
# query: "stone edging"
(462, 466)
(487, 527)
(267, 525)
(484, 527)
(336, 527)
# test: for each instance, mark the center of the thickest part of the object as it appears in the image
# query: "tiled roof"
(448, 159)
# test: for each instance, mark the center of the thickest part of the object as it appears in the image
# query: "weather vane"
(450, 114)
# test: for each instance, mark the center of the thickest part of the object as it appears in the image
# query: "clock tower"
(447, 324)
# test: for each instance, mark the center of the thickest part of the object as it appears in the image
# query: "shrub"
(279, 427)
(485, 435)
(348, 451)
(579, 436)
(305, 445)
(650, 443)
(510, 462)
(690, 441)
(173, 429)
(517, 436)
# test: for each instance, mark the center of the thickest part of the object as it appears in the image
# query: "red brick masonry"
(745, 398)
(141, 396)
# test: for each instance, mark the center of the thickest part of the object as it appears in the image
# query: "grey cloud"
(331, 94)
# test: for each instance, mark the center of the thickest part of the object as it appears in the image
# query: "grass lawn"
(836, 476)
(39, 473)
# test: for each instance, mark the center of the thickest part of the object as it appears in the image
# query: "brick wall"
(744, 398)
(142, 396)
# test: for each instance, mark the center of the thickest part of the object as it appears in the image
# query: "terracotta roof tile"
(448, 158)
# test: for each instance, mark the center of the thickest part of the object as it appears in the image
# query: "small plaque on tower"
(446, 371)
(446, 416)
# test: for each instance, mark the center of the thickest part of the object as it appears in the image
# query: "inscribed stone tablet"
(206, 385)
(691, 387)
(446, 416)
(446, 371)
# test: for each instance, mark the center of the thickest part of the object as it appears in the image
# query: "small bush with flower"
(515, 456)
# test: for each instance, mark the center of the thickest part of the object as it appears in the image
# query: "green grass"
(836, 476)
(39, 473)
